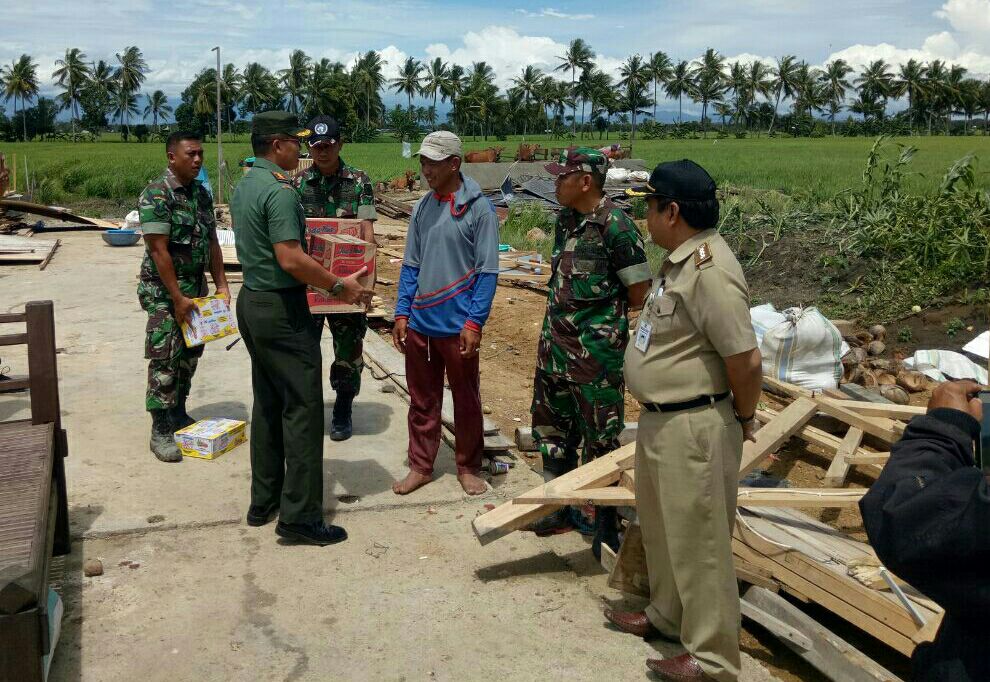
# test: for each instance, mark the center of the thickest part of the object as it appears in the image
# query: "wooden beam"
(13, 339)
(885, 429)
(615, 496)
(869, 458)
(774, 434)
(838, 470)
(799, 497)
(892, 410)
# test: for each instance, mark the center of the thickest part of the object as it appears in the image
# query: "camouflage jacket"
(595, 258)
(185, 214)
(346, 194)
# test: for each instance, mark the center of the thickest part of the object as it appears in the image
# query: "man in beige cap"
(446, 288)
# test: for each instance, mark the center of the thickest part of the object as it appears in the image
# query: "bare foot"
(473, 485)
(412, 481)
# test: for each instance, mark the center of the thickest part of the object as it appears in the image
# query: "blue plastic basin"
(121, 237)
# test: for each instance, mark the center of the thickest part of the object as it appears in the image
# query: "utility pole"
(219, 134)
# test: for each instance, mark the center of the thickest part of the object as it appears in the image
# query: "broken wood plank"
(799, 497)
(44, 263)
(838, 470)
(508, 517)
(768, 439)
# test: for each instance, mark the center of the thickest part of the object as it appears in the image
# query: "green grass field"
(114, 172)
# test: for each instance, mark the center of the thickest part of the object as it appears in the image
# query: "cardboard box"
(211, 320)
(210, 438)
(362, 229)
(342, 255)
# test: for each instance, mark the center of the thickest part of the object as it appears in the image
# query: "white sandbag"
(942, 365)
(799, 346)
(132, 221)
(639, 176)
(617, 175)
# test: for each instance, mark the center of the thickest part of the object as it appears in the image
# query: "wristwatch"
(337, 287)
(746, 420)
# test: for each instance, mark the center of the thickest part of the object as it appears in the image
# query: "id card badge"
(643, 333)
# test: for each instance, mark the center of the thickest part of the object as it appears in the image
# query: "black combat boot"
(340, 426)
(162, 439)
(180, 418)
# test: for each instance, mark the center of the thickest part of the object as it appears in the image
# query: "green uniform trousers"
(287, 418)
(687, 473)
(347, 330)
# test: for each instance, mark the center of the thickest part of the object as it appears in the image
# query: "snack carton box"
(342, 255)
(210, 438)
(211, 320)
(362, 229)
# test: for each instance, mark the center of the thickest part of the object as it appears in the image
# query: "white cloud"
(555, 14)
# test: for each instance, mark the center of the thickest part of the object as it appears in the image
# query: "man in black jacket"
(928, 518)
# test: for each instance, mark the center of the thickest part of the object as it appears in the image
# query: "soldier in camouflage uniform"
(599, 272)
(181, 245)
(332, 189)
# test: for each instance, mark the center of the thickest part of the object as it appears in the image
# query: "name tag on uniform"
(643, 332)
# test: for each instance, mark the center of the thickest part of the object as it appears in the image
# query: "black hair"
(262, 144)
(700, 215)
(599, 180)
(180, 136)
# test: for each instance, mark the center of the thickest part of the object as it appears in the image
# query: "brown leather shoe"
(635, 623)
(683, 668)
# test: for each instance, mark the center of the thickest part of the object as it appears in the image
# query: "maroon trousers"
(426, 359)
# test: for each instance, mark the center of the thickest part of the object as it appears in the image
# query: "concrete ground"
(190, 592)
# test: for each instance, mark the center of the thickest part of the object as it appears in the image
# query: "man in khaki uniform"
(694, 365)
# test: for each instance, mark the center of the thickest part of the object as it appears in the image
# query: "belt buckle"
(711, 400)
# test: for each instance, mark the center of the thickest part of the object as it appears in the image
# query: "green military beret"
(278, 123)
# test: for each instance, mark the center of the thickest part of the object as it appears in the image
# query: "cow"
(405, 182)
(490, 155)
(529, 152)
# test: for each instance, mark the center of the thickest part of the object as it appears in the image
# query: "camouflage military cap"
(575, 159)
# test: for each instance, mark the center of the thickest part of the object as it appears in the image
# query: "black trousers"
(287, 418)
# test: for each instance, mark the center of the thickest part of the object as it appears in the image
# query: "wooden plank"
(799, 497)
(884, 429)
(811, 435)
(831, 655)
(890, 410)
(13, 339)
(525, 442)
(869, 458)
(838, 470)
(630, 574)
(14, 385)
(508, 517)
(616, 496)
(44, 263)
(776, 433)
(10, 318)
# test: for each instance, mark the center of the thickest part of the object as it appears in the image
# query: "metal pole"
(219, 134)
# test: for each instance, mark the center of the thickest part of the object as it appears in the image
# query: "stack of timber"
(392, 208)
(14, 249)
(777, 549)
(386, 363)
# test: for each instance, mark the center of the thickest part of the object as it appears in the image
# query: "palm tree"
(910, 80)
(835, 80)
(294, 78)
(661, 69)
(808, 89)
(984, 101)
(434, 76)
(600, 89)
(259, 88)
(709, 81)
(367, 74)
(130, 75)
(758, 83)
(635, 75)
(579, 55)
(102, 86)
(952, 91)
(527, 84)
(72, 74)
(124, 107)
(738, 82)
(408, 79)
(878, 81)
(452, 87)
(158, 107)
(318, 93)
(784, 75)
(680, 83)
(230, 89)
(20, 81)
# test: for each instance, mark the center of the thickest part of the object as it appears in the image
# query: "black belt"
(687, 404)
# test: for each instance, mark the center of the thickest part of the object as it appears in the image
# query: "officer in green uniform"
(181, 245)
(694, 366)
(332, 189)
(282, 337)
(599, 272)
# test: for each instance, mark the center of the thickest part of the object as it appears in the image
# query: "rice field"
(816, 169)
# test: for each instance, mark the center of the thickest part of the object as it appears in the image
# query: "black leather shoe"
(340, 425)
(315, 533)
(259, 516)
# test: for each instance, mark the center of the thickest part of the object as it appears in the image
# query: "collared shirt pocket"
(589, 279)
(664, 319)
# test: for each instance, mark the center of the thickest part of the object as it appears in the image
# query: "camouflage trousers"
(171, 365)
(567, 414)
(347, 330)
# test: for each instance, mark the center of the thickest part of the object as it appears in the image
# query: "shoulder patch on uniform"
(279, 176)
(703, 255)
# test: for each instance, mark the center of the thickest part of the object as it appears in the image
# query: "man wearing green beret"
(599, 273)
(281, 336)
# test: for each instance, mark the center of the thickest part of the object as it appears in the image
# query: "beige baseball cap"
(440, 145)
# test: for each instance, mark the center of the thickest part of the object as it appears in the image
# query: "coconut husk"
(855, 356)
(881, 364)
(864, 338)
(879, 332)
(852, 374)
(912, 380)
(868, 379)
(876, 348)
(895, 394)
(886, 379)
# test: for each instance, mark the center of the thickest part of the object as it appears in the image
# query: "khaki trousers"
(687, 473)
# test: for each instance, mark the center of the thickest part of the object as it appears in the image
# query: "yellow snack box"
(210, 438)
(210, 320)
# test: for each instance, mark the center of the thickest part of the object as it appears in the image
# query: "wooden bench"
(34, 522)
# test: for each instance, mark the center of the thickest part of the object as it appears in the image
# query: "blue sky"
(176, 37)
